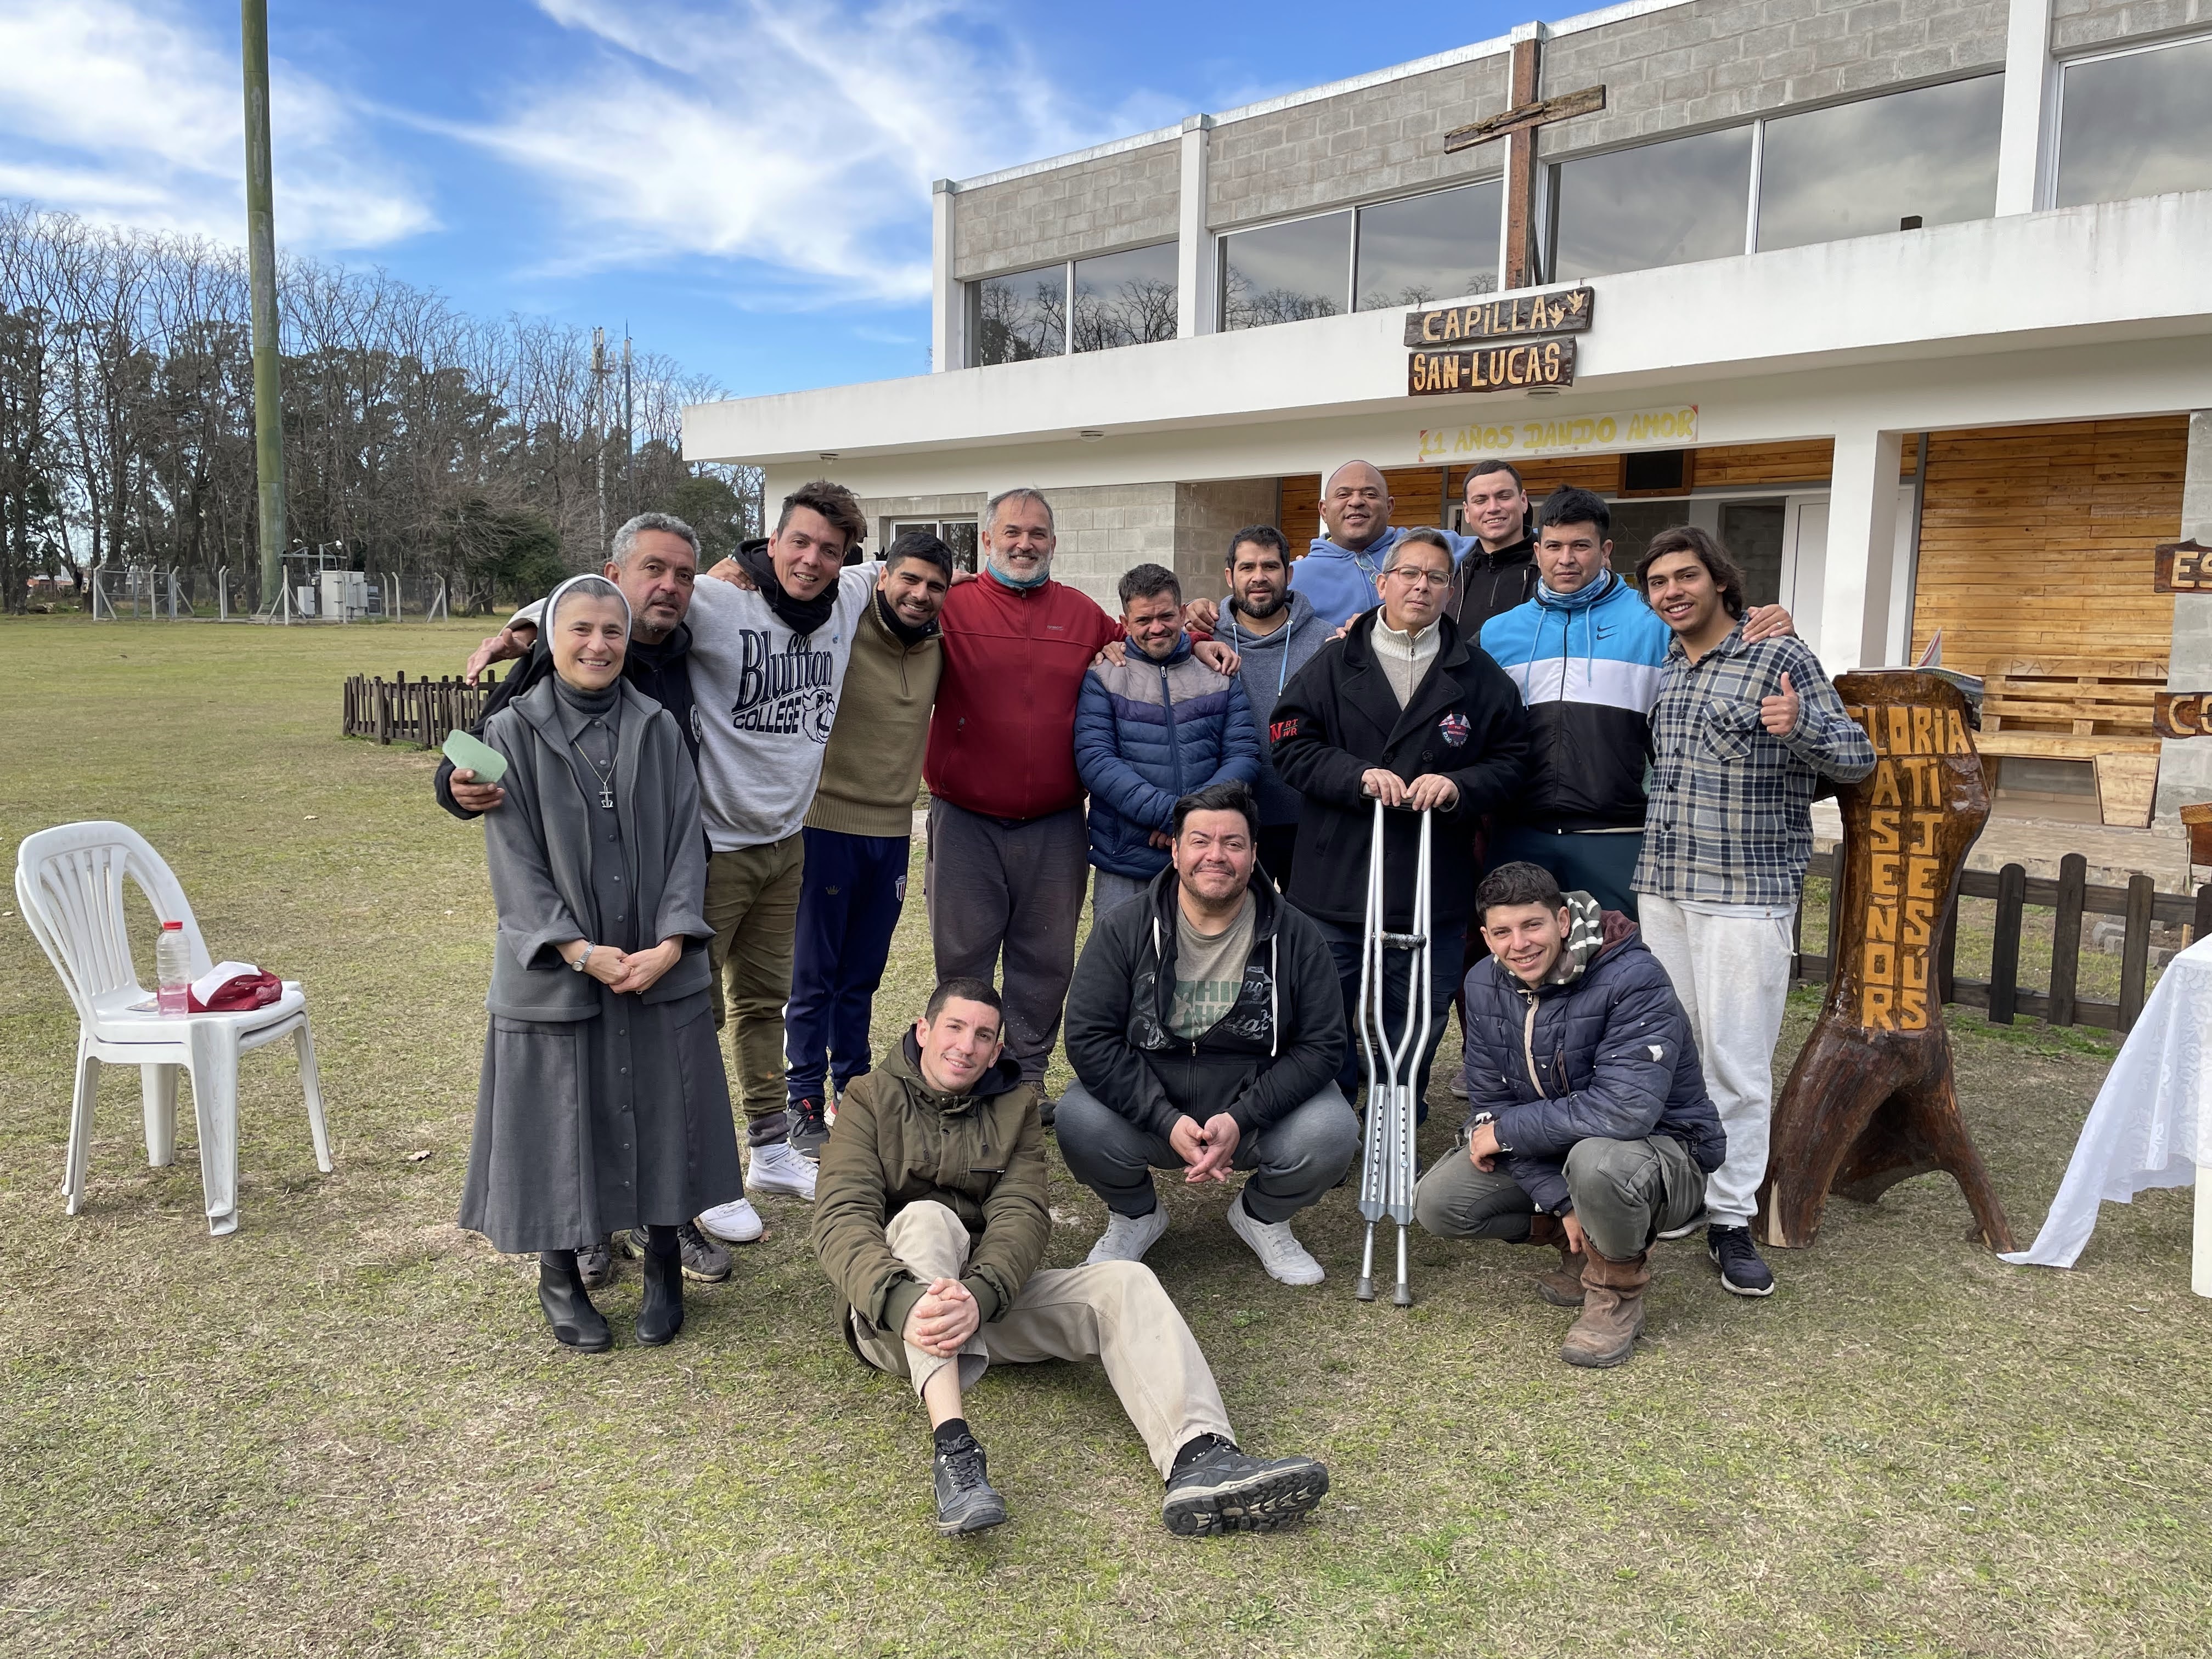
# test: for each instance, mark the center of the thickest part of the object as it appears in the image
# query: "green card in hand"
(470, 754)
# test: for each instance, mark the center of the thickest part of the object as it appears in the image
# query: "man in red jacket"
(1008, 852)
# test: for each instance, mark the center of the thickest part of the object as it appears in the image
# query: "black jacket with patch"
(1486, 585)
(1340, 716)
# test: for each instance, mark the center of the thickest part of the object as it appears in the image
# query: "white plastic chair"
(69, 884)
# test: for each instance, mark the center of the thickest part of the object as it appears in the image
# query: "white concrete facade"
(2034, 314)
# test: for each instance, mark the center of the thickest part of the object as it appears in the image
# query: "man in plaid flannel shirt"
(1741, 736)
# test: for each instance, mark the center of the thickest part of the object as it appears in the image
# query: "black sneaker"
(1741, 1271)
(705, 1261)
(1047, 1106)
(966, 1499)
(1222, 1490)
(596, 1262)
(810, 1128)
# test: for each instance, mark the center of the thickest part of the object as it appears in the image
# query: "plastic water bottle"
(172, 967)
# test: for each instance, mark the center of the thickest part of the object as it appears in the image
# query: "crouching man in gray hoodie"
(1589, 1127)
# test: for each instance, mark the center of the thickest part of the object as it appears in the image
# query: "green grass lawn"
(344, 1428)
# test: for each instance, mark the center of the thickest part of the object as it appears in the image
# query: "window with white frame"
(2136, 122)
(1925, 155)
(1077, 305)
(1411, 250)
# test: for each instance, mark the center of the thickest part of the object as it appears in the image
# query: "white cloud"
(126, 111)
(802, 136)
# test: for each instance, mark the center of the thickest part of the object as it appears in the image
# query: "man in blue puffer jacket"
(1150, 729)
(1589, 1125)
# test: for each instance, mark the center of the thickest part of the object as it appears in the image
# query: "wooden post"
(2135, 949)
(1870, 1100)
(2066, 938)
(2201, 927)
(1946, 957)
(2004, 948)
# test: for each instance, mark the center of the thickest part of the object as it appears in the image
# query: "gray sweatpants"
(1012, 891)
(1116, 1313)
(1626, 1192)
(1294, 1161)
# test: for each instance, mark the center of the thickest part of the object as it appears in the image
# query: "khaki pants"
(1116, 1313)
(752, 904)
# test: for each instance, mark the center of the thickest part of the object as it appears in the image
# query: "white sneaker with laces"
(734, 1223)
(1128, 1237)
(1287, 1261)
(777, 1169)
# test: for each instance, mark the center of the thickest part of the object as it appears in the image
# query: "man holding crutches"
(1405, 710)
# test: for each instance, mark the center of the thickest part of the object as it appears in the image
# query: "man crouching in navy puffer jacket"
(1589, 1125)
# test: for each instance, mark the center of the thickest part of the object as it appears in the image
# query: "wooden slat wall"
(2031, 535)
(1807, 461)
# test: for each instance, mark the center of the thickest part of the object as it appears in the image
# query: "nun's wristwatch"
(577, 966)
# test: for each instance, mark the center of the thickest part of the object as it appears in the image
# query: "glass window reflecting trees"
(1125, 299)
(1442, 245)
(1021, 316)
(2135, 123)
(1666, 204)
(1855, 169)
(1079, 304)
(1287, 273)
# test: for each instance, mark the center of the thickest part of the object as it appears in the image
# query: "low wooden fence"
(422, 712)
(2071, 896)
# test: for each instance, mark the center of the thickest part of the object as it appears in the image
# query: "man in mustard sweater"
(857, 832)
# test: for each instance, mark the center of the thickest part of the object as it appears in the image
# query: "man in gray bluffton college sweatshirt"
(767, 667)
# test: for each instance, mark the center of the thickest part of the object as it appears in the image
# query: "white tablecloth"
(2152, 1124)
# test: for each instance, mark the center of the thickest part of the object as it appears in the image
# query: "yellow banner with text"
(1672, 428)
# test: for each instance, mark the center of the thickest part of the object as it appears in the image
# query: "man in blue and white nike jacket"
(1587, 653)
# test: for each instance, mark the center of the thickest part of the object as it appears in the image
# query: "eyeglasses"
(1415, 577)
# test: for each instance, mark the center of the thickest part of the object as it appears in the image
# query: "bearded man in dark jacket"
(1589, 1125)
(1204, 1025)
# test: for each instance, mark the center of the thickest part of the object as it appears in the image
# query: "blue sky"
(747, 184)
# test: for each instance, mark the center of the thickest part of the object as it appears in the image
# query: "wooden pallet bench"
(2082, 708)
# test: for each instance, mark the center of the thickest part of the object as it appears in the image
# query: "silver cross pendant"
(607, 799)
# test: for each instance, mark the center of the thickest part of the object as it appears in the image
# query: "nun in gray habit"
(604, 1104)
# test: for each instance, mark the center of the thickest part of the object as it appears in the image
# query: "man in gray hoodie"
(1272, 631)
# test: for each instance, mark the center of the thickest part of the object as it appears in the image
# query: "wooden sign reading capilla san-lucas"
(1524, 314)
(1492, 368)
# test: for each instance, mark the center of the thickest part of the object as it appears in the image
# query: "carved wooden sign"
(1870, 1100)
(2183, 567)
(1490, 368)
(1525, 314)
(2182, 713)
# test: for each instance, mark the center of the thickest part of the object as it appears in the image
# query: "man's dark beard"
(1243, 608)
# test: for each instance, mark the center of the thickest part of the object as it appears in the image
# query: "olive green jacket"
(897, 1142)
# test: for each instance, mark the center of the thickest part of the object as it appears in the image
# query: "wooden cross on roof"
(1517, 125)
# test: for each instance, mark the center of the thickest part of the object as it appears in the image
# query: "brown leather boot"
(1612, 1312)
(1563, 1285)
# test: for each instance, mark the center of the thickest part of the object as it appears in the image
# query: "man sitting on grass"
(1583, 1080)
(930, 1218)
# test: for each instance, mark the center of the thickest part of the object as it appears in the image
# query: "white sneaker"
(1287, 1261)
(777, 1169)
(1128, 1237)
(734, 1223)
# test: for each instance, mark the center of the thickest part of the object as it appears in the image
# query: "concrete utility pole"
(261, 256)
(599, 425)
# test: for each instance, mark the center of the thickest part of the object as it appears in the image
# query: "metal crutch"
(1386, 1171)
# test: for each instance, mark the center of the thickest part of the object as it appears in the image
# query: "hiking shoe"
(810, 1128)
(1128, 1237)
(1222, 1490)
(596, 1262)
(704, 1259)
(734, 1223)
(1287, 1261)
(777, 1169)
(1047, 1107)
(1563, 1285)
(1741, 1271)
(966, 1499)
